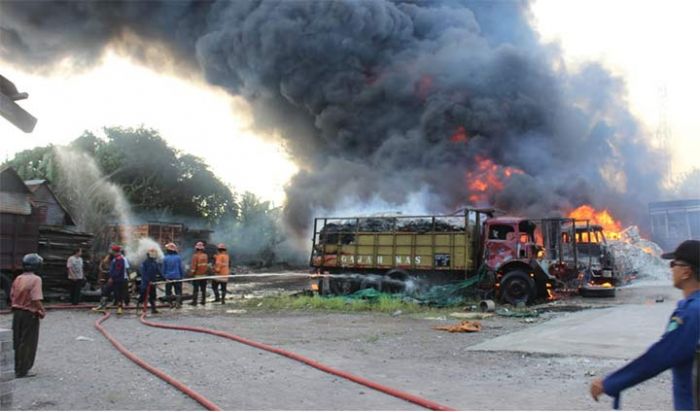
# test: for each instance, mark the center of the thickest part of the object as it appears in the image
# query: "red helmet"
(199, 246)
(171, 246)
(116, 248)
(221, 246)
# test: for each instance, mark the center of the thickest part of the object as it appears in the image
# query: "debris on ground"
(237, 311)
(470, 315)
(85, 338)
(517, 313)
(467, 326)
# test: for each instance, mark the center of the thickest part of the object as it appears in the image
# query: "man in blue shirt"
(150, 271)
(676, 348)
(173, 270)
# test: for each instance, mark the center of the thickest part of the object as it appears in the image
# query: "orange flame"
(611, 227)
(487, 178)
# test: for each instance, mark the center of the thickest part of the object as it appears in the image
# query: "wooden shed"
(50, 211)
(19, 226)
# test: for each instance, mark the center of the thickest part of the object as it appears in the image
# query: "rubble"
(637, 256)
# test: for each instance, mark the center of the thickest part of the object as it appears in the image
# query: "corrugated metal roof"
(33, 185)
(15, 203)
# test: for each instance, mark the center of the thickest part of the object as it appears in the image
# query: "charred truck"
(501, 250)
(517, 259)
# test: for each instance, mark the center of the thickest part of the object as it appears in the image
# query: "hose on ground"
(162, 375)
(357, 379)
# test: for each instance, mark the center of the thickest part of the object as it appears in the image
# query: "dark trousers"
(151, 295)
(125, 292)
(25, 334)
(117, 288)
(215, 286)
(198, 285)
(75, 287)
(169, 290)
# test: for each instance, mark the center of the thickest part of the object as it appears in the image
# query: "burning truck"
(514, 259)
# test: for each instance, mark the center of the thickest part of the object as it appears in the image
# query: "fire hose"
(345, 375)
(162, 375)
(291, 355)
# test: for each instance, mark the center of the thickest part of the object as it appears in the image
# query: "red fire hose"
(174, 382)
(212, 406)
(362, 381)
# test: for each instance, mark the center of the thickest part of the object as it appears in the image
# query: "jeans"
(169, 291)
(117, 288)
(151, 295)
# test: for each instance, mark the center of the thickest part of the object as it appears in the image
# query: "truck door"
(501, 244)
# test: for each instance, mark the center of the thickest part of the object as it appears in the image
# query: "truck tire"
(342, 286)
(395, 282)
(368, 283)
(517, 287)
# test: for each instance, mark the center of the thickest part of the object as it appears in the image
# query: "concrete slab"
(620, 332)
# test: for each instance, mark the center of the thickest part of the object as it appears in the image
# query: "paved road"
(619, 332)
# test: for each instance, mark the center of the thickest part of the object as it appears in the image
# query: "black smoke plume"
(382, 101)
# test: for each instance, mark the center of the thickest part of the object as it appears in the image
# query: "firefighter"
(676, 348)
(150, 270)
(27, 310)
(199, 268)
(221, 269)
(173, 271)
(115, 282)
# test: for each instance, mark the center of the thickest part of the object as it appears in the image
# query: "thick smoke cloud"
(385, 100)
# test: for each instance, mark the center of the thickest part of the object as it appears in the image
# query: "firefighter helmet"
(221, 246)
(171, 246)
(116, 248)
(199, 246)
(32, 262)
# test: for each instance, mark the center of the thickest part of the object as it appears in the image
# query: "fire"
(460, 135)
(487, 178)
(611, 227)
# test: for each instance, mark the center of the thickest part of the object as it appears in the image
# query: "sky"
(647, 43)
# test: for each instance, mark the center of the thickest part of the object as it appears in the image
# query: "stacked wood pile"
(56, 244)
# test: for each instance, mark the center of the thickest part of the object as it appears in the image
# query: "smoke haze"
(383, 102)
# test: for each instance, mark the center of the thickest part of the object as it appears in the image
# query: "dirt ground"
(78, 369)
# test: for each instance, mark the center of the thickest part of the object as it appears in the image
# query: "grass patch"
(383, 304)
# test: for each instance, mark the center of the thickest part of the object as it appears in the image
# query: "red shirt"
(25, 289)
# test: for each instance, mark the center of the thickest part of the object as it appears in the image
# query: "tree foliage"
(157, 180)
(154, 176)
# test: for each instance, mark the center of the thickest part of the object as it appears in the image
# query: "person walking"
(676, 348)
(199, 268)
(150, 271)
(115, 282)
(27, 310)
(221, 269)
(173, 271)
(75, 275)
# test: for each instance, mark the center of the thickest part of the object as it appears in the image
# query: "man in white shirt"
(75, 275)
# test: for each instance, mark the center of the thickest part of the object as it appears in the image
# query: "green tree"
(153, 175)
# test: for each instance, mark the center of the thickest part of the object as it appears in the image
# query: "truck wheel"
(395, 282)
(341, 286)
(517, 287)
(368, 283)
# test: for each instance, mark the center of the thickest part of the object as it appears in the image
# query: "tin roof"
(15, 203)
